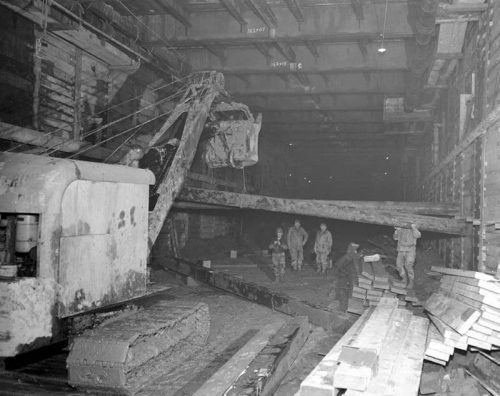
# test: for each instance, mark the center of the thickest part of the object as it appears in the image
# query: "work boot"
(410, 284)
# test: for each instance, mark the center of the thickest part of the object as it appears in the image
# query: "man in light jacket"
(407, 243)
(297, 238)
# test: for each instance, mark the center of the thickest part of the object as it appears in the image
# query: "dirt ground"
(329, 291)
(234, 321)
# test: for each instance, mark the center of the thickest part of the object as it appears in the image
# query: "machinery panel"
(103, 244)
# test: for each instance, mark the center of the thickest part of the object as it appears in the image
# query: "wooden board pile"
(381, 354)
(465, 312)
(374, 283)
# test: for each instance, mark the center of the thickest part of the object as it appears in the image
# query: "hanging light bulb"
(381, 49)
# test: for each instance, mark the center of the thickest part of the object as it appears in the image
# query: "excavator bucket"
(233, 137)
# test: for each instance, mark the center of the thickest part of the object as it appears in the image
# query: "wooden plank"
(367, 270)
(393, 344)
(324, 209)
(493, 286)
(319, 382)
(455, 314)
(230, 371)
(356, 306)
(440, 355)
(482, 321)
(260, 294)
(267, 369)
(379, 272)
(482, 329)
(461, 289)
(479, 343)
(41, 139)
(408, 368)
(356, 368)
(464, 273)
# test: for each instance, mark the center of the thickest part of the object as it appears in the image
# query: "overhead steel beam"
(315, 93)
(321, 124)
(342, 137)
(296, 9)
(313, 48)
(232, 7)
(357, 7)
(286, 111)
(318, 116)
(286, 51)
(218, 52)
(264, 12)
(238, 41)
(264, 49)
(175, 10)
(341, 70)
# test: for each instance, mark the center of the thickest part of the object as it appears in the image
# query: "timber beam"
(324, 209)
(51, 142)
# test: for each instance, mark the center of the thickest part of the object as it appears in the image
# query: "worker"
(407, 242)
(297, 238)
(278, 248)
(322, 248)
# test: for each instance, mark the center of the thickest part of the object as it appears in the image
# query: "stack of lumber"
(373, 283)
(465, 312)
(381, 354)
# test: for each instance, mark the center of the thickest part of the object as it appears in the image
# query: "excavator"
(80, 233)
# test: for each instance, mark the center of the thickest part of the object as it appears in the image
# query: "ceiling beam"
(296, 9)
(321, 116)
(313, 48)
(341, 70)
(286, 51)
(286, 110)
(175, 10)
(218, 52)
(286, 130)
(265, 50)
(326, 124)
(233, 8)
(315, 93)
(357, 7)
(264, 12)
(238, 41)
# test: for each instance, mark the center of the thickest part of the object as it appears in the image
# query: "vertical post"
(435, 145)
(37, 70)
(481, 266)
(77, 118)
(10, 240)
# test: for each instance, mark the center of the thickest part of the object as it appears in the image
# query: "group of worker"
(296, 239)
